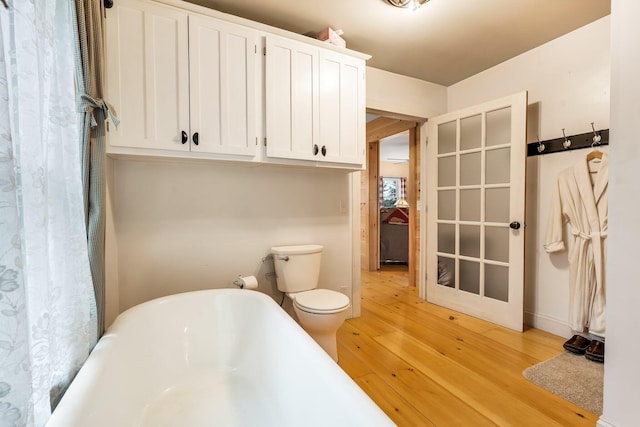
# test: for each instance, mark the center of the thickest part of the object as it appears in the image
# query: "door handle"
(515, 225)
(324, 151)
(195, 138)
(315, 149)
(184, 137)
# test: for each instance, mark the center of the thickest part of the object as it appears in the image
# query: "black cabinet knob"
(315, 149)
(185, 137)
(515, 225)
(195, 138)
(324, 150)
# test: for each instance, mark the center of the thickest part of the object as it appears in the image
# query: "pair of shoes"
(595, 351)
(577, 344)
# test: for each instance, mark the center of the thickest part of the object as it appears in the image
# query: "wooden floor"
(425, 365)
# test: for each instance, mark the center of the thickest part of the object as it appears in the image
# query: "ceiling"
(444, 42)
(394, 143)
(395, 149)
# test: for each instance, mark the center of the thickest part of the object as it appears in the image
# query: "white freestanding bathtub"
(212, 358)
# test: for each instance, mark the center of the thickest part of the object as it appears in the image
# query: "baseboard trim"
(547, 323)
(603, 423)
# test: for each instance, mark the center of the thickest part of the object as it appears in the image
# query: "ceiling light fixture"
(407, 4)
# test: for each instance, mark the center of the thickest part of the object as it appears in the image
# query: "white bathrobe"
(582, 201)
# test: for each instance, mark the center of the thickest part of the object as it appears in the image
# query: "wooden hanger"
(593, 160)
(595, 154)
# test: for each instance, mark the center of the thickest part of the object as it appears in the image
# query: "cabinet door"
(291, 99)
(222, 59)
(342, 108)
(147, 70)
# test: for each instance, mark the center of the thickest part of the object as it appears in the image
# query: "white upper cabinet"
(342, 108)
(222, 86)
(315, 103)
(190, 82)
(148, 75)
(180, 81)
(291, 99)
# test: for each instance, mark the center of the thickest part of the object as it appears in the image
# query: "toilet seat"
(321, 301)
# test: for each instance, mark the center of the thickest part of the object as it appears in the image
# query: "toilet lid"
(321, 301)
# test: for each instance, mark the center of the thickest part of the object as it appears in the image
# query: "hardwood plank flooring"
(426, 365)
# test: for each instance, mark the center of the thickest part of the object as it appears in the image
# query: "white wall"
(394, 169)
(404, 95)
(568, 84)
(622, 372)
(184, 226)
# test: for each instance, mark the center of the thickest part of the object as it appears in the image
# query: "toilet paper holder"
(248, 282)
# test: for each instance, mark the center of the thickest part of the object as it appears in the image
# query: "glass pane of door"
(447, 171)
(470, 241)
(497, 169)
(447, 135)
(447, 238)
(470, 169)
(471, 132)
(447, 272)
(470, 276)
(447, 204)
(470, 205)
(499, 127)
(497, 204)
(496, 243)
(496, 282)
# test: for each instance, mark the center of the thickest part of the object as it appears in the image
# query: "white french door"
(475, 183)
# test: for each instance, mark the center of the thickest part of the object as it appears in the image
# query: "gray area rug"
(572, 377)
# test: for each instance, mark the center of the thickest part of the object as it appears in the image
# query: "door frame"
(389, 124)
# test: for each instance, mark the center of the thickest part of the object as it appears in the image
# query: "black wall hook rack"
(583, 140)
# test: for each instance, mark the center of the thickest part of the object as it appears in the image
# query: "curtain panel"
(47, 304)
(94, 110)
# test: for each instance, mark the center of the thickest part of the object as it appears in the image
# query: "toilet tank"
(297, 267)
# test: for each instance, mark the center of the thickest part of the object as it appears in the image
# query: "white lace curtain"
(47, 307)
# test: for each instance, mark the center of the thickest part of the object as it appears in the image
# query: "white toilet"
(320, 311)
